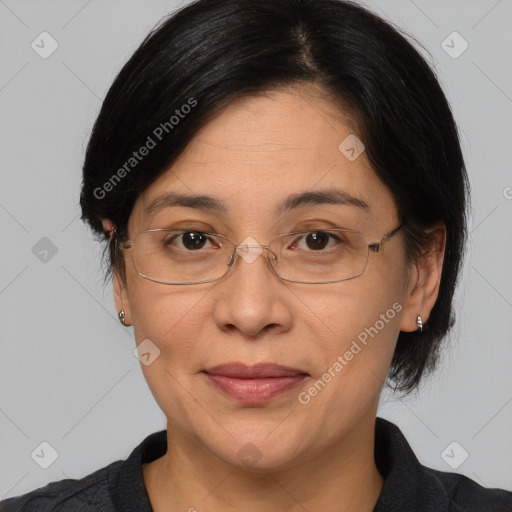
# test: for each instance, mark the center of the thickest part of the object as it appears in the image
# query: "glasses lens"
(173, 256)
(180, 257)
(320, 256)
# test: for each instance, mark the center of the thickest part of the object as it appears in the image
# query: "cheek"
(171, 319)
(357, 350)
(357, 326)
(173, 322)
(349, 309)
(362, 336)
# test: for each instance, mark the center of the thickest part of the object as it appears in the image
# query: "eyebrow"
(292, 202)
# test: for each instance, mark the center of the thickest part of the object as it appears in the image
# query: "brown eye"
(190, 240)
(315, 241)
(193, 240)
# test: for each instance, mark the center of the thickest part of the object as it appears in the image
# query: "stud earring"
(121, 316)
(419, 323)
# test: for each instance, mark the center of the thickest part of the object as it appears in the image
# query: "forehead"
(278, 126)
(260, 149)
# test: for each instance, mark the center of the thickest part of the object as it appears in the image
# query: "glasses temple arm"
(377, 246)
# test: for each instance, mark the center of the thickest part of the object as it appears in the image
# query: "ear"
(120, 293)
(424, 281)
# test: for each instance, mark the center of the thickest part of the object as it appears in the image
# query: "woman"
(284, 196)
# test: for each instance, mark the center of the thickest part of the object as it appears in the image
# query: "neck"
(343, 477)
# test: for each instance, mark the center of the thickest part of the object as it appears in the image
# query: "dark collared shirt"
(408, 486)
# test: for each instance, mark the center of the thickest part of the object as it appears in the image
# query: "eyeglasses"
(177, 256)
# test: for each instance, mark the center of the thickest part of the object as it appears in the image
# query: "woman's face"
(251, 157)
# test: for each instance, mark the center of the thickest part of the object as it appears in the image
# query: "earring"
(419, 323)
(121, 316)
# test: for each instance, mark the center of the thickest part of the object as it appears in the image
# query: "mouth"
(256, 384)
(258, 371)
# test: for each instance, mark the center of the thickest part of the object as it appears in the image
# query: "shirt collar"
(128, 489)
(407, 484)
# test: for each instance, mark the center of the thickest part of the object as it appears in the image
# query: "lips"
(258, 371)
(256, 384)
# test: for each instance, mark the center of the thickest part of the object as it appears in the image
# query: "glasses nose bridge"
(236, 247)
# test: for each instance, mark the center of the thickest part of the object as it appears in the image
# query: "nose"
(251, 297)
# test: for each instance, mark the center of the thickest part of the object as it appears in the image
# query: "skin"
(315, 456)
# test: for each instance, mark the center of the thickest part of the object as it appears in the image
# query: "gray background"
(67, 372)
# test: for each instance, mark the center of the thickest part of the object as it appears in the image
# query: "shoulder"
(464, 494)
(91, 493)
(117, 486)
(411, 486)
